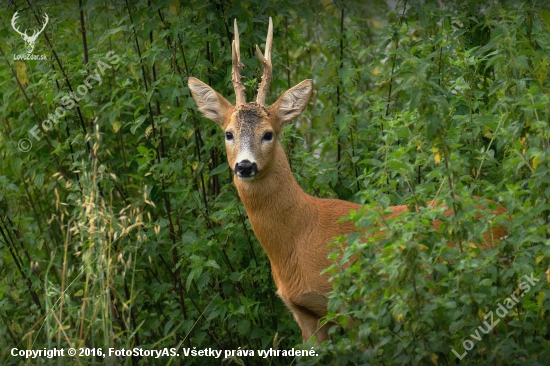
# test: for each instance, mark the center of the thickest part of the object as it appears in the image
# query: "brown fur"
(293, 227)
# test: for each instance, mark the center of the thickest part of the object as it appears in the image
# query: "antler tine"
(46, 18)
(36, 32)
(266, 64)
(13, 21)
(236, 69)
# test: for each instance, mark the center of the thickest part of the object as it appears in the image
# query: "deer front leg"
(309, 324)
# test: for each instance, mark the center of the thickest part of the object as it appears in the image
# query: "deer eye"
(268, 136)
(228, 136)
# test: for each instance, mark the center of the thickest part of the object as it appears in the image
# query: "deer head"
(251, 129)
(30, 41)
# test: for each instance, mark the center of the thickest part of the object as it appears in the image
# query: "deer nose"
(246, 169)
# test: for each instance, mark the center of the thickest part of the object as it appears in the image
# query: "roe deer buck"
(293, 227)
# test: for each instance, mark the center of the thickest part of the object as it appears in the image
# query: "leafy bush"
(468, 116)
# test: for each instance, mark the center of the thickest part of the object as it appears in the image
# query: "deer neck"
(278, 209)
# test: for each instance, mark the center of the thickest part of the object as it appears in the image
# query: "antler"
(13, 21)
(236, 69)
(35, 32)
(266, 64)
(44, 25)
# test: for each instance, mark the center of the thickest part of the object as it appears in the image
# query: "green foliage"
(121, 227)
(464, 114)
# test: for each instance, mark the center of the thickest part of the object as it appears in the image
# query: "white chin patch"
(245, 179)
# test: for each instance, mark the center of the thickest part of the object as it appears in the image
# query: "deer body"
(293, 227)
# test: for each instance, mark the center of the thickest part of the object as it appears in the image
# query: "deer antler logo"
(30, 41)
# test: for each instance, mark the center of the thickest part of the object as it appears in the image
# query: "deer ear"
(211, 104)
(293, 102)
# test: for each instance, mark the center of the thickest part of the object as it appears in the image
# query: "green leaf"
(257, 333)
(243, 327)
(168, 326)
(212, 263)
(442, 268)
(39, 180)
(219, 169)
(545, 16)
(193, 275)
